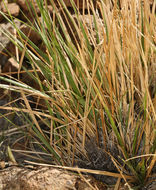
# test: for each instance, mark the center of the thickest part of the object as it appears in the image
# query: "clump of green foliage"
(96, 80)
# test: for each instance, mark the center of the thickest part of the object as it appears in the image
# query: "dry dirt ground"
(43, 178)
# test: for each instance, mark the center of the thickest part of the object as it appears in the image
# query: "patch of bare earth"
(42, 178)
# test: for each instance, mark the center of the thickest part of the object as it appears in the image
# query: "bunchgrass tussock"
(93, 84)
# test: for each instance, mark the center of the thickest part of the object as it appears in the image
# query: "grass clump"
(94, 92)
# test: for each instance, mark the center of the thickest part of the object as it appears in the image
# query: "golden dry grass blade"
(34, 120)
(34, 112)
(89, 184)
(117, 185)
(117, 175)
